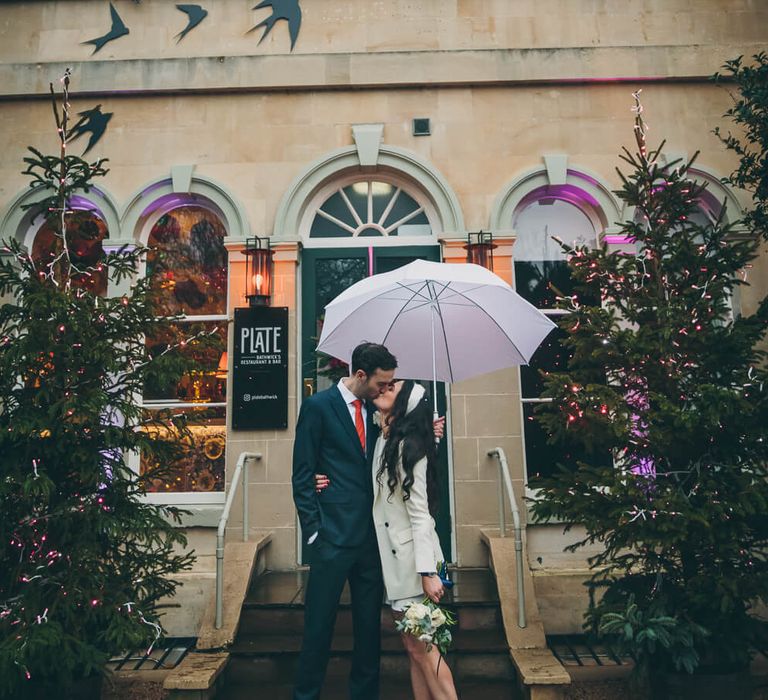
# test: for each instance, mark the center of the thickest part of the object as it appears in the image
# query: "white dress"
(405, 532)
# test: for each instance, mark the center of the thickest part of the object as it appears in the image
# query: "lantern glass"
(258, 273)
(480, 248)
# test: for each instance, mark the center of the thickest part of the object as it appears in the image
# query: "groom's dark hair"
(372, 356)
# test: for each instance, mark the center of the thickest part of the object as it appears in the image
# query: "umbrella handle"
(435, 416)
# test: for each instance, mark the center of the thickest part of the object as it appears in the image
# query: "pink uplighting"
(618, 240)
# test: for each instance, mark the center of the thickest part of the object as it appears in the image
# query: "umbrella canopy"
(444, 322)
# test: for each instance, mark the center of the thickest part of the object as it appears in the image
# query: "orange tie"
(359, 425)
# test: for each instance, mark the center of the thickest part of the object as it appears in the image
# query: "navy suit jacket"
(327, 443)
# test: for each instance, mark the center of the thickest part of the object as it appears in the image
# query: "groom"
(335, 435)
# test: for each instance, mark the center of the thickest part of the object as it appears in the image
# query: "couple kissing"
(365, 495)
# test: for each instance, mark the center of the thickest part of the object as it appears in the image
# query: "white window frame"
(182, 498)
(551, 313)
(315, 203)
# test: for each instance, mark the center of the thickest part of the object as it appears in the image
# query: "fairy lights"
(79, 535)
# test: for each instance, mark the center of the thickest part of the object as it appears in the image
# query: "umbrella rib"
(442, 325)
(408, 301)
(416, 291)
(495, 323)
(374, 298)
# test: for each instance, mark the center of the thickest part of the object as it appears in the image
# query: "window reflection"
(85, 233)
(204, 384)
(333, 276)
(187, 266)
(201, 467)
(188, 263)
(541, 276)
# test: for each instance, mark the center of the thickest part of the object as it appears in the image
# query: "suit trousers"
(330, 568)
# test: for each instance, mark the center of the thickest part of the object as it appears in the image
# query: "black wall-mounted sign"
(260, 368)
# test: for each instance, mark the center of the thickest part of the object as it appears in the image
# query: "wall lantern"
(479, 248)
(258, 271)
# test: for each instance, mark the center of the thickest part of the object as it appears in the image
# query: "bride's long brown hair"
(415, 433)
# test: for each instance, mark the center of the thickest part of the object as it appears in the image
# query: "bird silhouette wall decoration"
(117, 30)
(288, 10)
(195, 14)
(92, 121)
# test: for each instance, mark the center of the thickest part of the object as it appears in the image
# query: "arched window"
(187, 267)
(707, 212)
(86, 231)
(541, 275)
(188, 262)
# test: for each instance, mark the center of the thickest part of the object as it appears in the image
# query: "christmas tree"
(750, 114)
(670, 381)
(84, 559)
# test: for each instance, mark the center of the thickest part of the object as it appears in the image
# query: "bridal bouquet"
(429, 623)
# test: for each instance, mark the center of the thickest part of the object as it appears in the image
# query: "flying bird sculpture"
(92, 121)
(196, 14)
(118, 29)
(288, 10)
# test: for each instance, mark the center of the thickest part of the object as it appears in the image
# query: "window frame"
(594, 217)
(148, 221)
(334, 184)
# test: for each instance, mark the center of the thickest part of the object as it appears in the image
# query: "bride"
(404, 486)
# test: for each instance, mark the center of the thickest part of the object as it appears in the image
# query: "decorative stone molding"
(22, 224)
(368, 141)
(200, 190)
(390, 159)
(608, 209)
(557, 168)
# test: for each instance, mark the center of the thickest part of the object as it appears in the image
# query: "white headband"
(417, 394)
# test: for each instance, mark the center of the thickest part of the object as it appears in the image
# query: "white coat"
(408, 543)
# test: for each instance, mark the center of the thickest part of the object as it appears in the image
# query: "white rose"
(417, 611)
(438, 617)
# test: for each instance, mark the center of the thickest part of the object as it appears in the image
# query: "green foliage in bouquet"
(429, 623)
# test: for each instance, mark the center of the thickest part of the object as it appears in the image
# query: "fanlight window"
(370, 208)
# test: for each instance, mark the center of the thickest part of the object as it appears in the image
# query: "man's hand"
(439, 427)
(433, 587)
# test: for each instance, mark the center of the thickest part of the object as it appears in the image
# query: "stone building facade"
(217, 136)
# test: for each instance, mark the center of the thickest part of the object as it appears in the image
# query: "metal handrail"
(241, 467)
(505, 484)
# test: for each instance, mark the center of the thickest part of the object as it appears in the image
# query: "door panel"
(325, 274)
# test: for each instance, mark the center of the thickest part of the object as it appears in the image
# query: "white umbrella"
(444, 322)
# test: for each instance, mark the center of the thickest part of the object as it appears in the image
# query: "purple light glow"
(637, 399)
(618, 240)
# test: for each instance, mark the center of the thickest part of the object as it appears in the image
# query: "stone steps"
(265, 651)
(336, 689)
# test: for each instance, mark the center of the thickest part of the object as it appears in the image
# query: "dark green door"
(325, 273)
